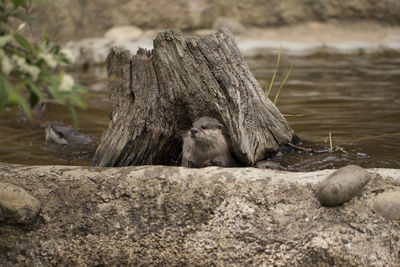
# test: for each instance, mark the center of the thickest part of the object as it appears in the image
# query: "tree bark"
(156, 95)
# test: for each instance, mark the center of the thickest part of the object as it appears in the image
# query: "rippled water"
(355, 98)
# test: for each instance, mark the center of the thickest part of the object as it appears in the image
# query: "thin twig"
(344, 151)
(300, 147)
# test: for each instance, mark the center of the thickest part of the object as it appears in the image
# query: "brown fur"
(205, 145)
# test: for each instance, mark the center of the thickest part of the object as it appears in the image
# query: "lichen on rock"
(160, 215)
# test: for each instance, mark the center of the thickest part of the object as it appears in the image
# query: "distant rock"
(94, 51)
(67, 20)
(124, 33)
(16, 205)
(342, 185)
(388, 205)
(299, 40)
(230, 23)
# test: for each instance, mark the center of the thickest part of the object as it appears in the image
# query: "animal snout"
(194, 131)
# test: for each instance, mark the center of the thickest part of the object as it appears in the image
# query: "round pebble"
(16, 205)
(388, 205)
(342, 185)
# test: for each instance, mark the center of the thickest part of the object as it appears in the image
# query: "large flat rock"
(158, 215)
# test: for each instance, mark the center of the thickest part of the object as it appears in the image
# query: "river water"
(355, 98)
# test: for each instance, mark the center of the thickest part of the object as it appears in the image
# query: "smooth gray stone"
(388, 205)
(16, 205)
(342, 185)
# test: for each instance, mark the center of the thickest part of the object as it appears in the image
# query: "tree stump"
(156, 95)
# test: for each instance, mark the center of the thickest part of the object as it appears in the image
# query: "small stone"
(388, 205)
(342, 185)
(16, 205)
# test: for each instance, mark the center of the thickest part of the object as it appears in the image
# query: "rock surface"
(388, 205)
(342, 185)
(157, 215)
(17, 205)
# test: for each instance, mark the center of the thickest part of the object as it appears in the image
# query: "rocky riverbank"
(178, 216)
(300, 40)
(76, 19)
(301, 27)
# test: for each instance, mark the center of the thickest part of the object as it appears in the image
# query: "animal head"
(206, 132)
(55, 136)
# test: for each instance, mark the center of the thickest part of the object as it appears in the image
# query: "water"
(355, 98)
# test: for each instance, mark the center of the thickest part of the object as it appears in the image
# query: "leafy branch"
(33, 67)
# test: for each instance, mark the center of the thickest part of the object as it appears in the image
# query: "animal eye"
(203, 127)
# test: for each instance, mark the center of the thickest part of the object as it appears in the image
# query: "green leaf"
(5, 87)
(53, 80)
(293, 115)
(79, 89)
(5, 39)
(25, 3)
(21, 85)
(15, 98)
(55, 48)
(74, 116)
(283, 82)
(23, 17)
(77, 101)
(61, 76)
(22, 41)
(15, 51)
(18, 3)
(34, 89)
(55, 94)
(44, 36)
(275, 71)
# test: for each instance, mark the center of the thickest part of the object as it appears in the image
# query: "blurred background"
(345, 79)
(77, 19)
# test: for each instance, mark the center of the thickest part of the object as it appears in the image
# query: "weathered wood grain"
(156, 95)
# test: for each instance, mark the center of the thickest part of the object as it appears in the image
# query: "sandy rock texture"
(157, 215)
(388, 205)
(75, 19)
(16, 205)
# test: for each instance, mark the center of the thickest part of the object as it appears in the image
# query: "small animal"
(64, 135)
(205, 145)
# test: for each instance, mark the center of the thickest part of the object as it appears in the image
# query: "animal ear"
(220, 126)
